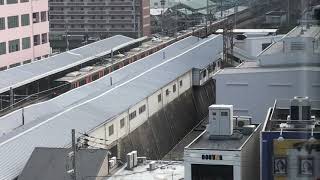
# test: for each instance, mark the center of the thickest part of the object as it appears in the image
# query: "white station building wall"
(152, 105)
(253, 93)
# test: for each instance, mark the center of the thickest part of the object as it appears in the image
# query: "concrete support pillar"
(119, 149)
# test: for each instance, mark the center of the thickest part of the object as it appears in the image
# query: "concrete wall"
(253, 45)
(253, 93)
(250, 157)
(165, 128)
(152, 106)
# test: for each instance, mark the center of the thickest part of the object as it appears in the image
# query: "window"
(44, 38)
(14, 45)
(224, 113)
(14, 65)
(27, 61)
(22, 1)
(132, 115)
(26, 43)
(159, 98)
(35, 17)
(3, 68)
(36, 40)
(174, 88)
(82, 82)
(95, 76)
(1, 2)
(111, 130)
(12, 1)
(13, 21)
(122, 123)
(204, 74)
(3, 48)
(43, 16)
(2, 23)
(167, 92)
(142, 109)
(25, 20)
(180, 83)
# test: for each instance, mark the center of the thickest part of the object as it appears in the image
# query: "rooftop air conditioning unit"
(300, 112)
(240, 121)
(135, 158)
(129, 161)
(220, 120)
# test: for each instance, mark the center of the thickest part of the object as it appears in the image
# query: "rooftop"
(298, 32)
(254, 67)
(173, 170)
(85, 108)
(21, 75)
(202, 142)
(281, 110)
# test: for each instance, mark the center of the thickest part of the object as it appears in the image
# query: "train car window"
(115, 67)
(82, 82)
(106, 71)
(126, 62)
(95, 76)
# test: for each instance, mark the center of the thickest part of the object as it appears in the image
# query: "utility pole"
(74, 149)
(11, 97)
(67, 38)
(162, 2)
(207, 18)
(22, 111)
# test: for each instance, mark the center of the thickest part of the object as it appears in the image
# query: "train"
(91, 73)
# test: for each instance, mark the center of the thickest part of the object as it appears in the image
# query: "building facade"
(90, 19)
(24, 29)
(290, 140)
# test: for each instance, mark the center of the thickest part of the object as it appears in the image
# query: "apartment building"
(93, 19)
(24, 29)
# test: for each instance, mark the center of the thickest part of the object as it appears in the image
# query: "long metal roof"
(40, 110)
(97, 107)
(21, 75)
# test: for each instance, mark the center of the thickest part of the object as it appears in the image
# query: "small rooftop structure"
(173, 170)
(56, 163)
(215, 154)
(253, 85)
(301, 46)
(290, 140)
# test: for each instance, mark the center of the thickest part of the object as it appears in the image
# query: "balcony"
(77, 21)
(57, 21)
(75, 4)
(76, 30)
(56, 12)
(121, 12)
(97, 21)
(96, 12)
(120, 30)
(120, 4)
(57, 29)
(121, 21)
(97, 30)
(75, 12)
(56, 4)
(96, 3)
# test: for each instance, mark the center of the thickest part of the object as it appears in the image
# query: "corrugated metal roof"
(54, 130)
(27, 73)
(41, 110)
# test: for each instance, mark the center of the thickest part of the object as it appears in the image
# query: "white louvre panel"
(297, 46)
